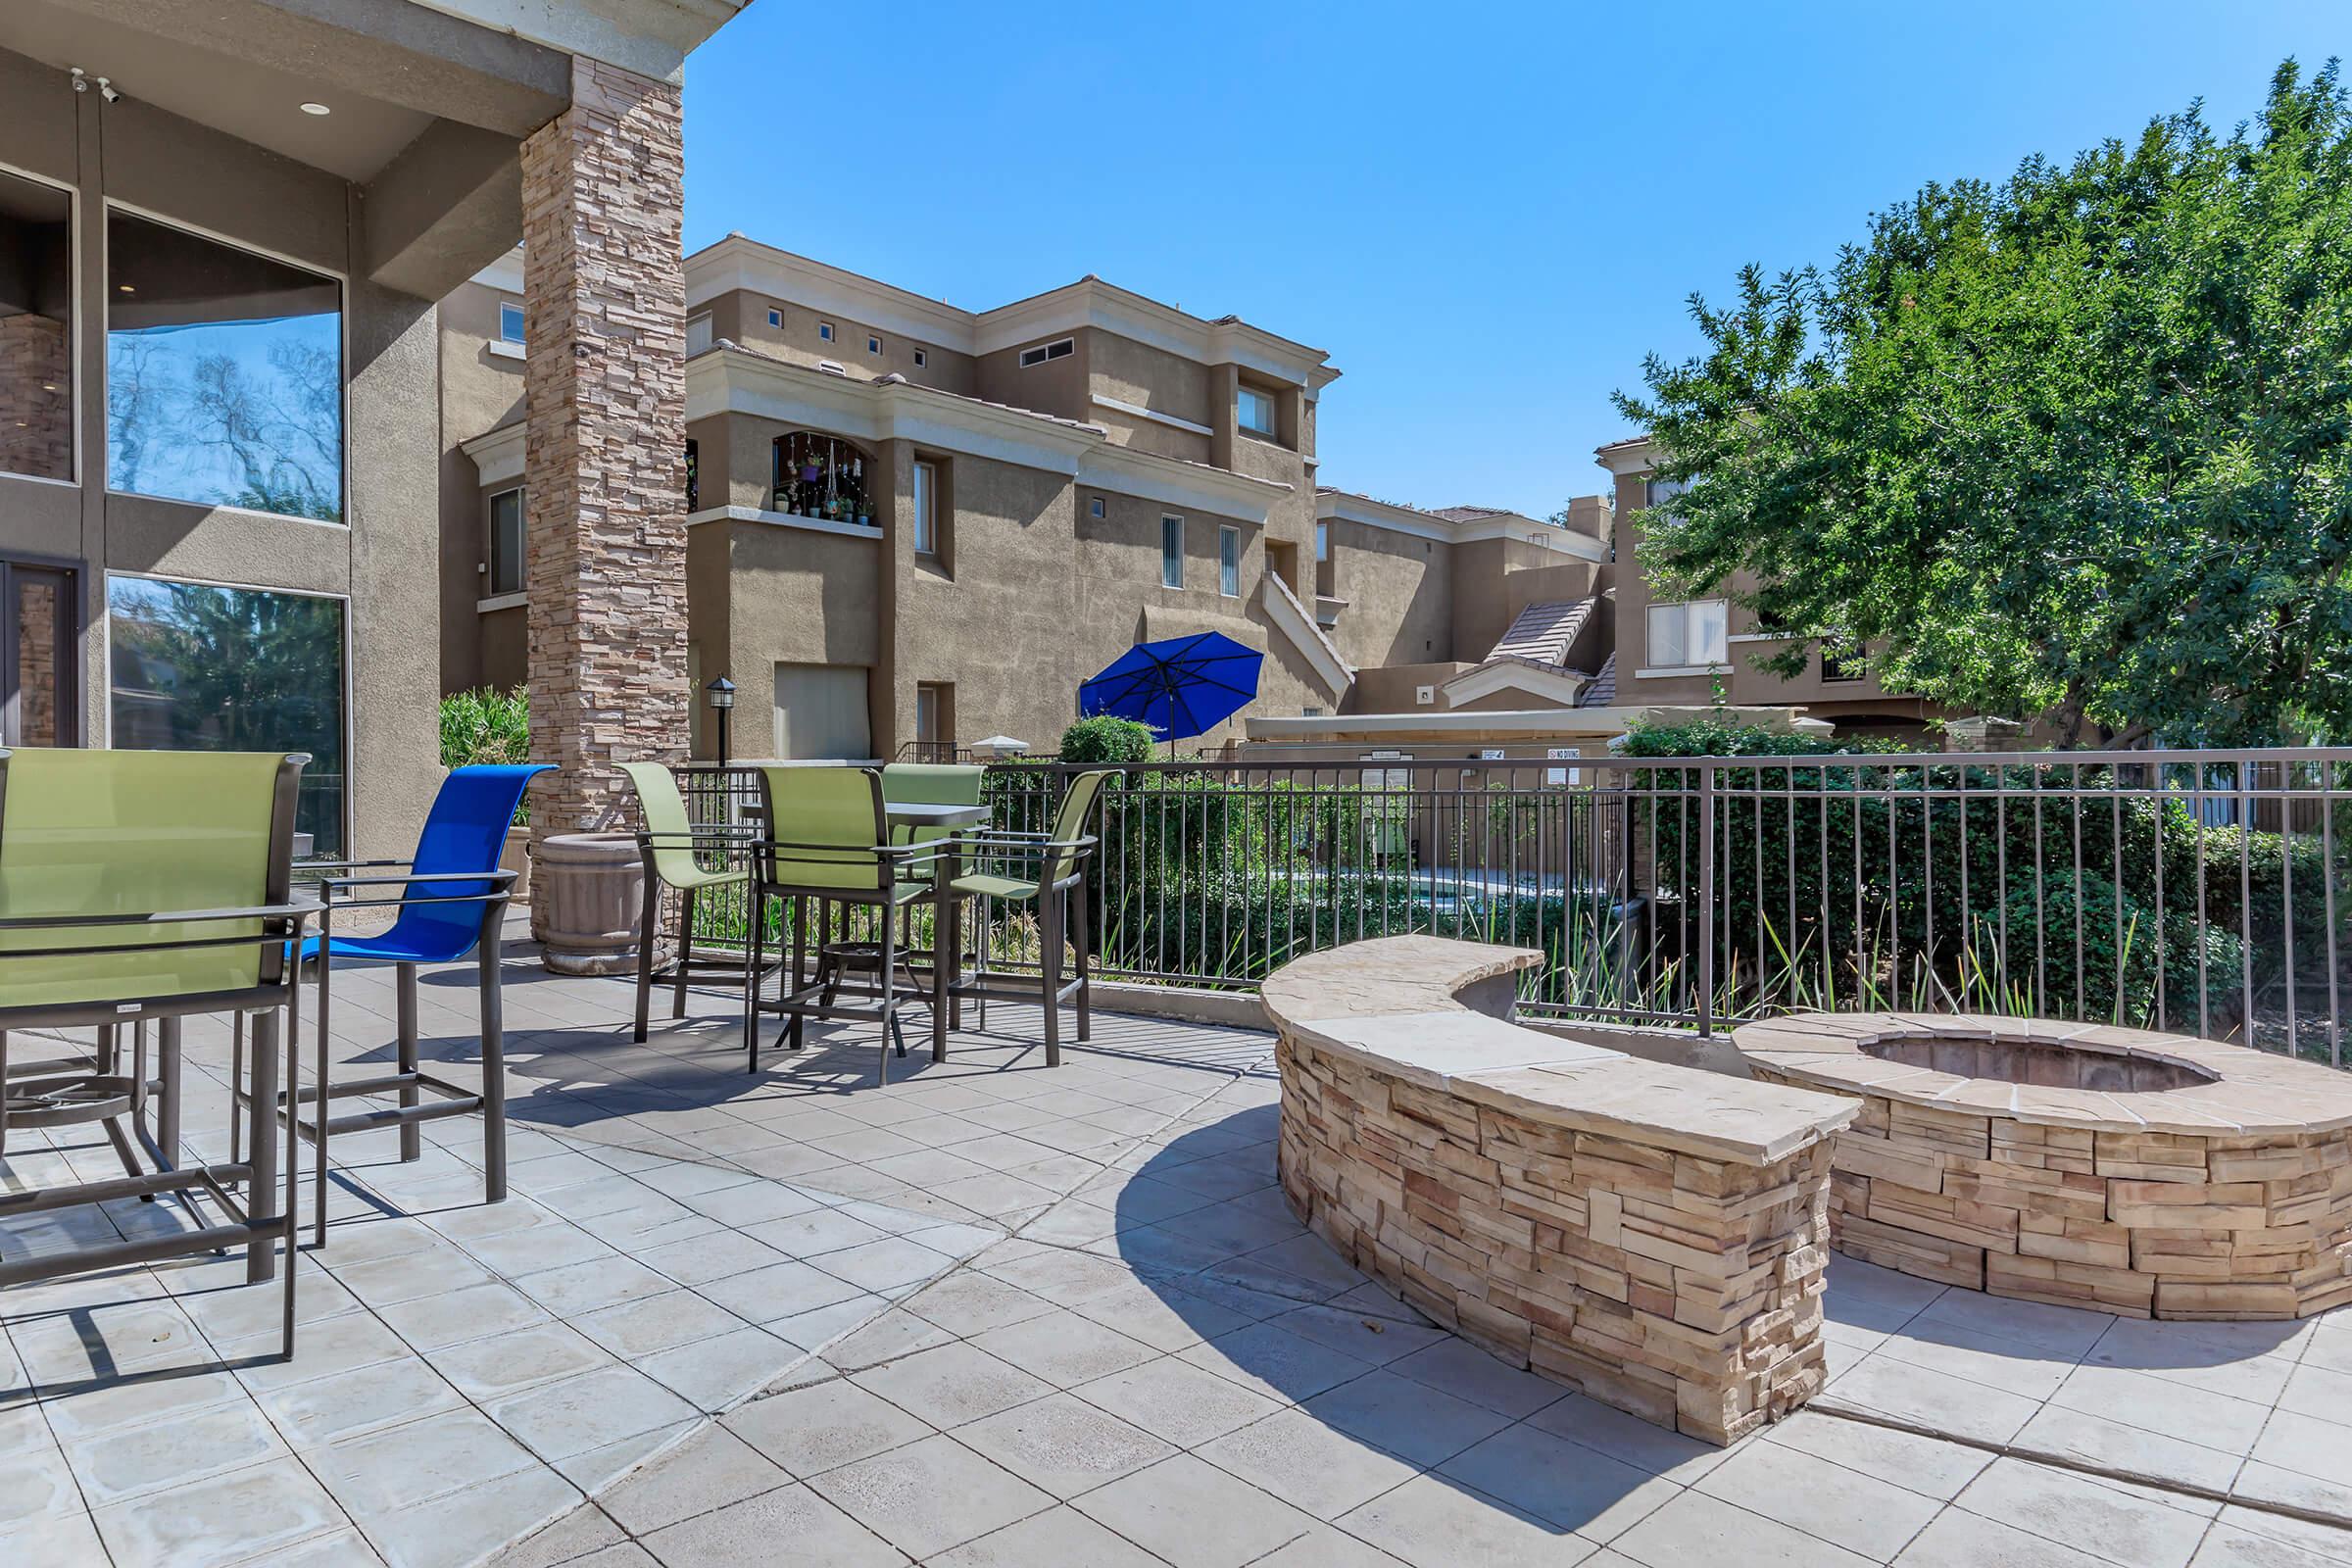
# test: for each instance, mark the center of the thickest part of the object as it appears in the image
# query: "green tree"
(2070, 445)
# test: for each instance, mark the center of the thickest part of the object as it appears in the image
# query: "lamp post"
(721, 694)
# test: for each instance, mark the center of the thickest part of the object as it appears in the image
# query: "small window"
(510, 320)
(873, 345)
(1097, 508)
(1257, 410)
(921, 358)
(698, 334)
(1657, 492)
(824, 331)
(1322, 541)
(926, 513)
(505, 543)
(1060, 349)
(1229, 563)
(1688, 634)
(775, 318)
(934, 720)
(1171, 551)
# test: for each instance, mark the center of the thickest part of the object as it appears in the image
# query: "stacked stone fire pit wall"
(2116, 1169)
(1651, 1235)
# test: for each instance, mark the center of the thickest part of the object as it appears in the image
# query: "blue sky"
(1486, 215)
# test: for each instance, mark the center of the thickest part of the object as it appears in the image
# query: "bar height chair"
(838, 853)
(1047, 870)
(671, 844)
(152, 885)
(451, 899)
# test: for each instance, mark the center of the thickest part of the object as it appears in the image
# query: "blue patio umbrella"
(1178, 686)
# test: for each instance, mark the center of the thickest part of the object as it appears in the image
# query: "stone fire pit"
(1651, 1234)
(2118, 1169)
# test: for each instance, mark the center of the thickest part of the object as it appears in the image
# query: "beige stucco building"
(913, 527)
(1673, 653)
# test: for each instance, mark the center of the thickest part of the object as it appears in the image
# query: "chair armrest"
(345, 865)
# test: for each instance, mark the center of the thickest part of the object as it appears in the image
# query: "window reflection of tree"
(202, 668)
(225, 375)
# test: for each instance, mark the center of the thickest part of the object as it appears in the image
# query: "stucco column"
(605, 466)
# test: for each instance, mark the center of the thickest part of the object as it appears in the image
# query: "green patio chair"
(838, 852)
(139, 886)
(1049, 872)
(673, 849)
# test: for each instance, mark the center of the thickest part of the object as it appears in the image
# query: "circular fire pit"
(2117, 1169)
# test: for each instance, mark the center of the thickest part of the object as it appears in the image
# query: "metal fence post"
(1706, 898)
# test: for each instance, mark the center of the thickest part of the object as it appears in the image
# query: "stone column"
(605, 314)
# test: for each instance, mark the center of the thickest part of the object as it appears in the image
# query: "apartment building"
(1678, 654)
(912, 526)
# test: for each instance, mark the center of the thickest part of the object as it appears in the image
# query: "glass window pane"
(1666, 623)
(1322, 541)
(44, 661)
(225, 375)
(36, 329)
(926, 537)
(1229, 563)
(1171, 551)
(200, 669)
(510, 320)
(1708, 625)
(505, 542)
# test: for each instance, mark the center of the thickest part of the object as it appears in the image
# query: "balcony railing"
(2202, 890)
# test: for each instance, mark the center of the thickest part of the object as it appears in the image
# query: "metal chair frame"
(253, 1222)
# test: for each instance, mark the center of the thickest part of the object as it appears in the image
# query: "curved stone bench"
(2118, 1169)
(1653, 1236)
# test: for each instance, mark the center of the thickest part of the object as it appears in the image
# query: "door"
(40, 683)
(820, 712)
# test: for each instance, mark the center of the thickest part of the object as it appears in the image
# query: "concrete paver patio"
(1000, 1315)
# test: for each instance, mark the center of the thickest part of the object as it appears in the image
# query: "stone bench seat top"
(2254, 1093)
(1394, 1005)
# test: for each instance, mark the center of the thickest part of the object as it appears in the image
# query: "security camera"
(106, 90)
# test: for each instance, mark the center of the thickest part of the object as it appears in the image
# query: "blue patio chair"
(452, 896)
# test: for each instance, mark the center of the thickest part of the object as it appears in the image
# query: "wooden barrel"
(587, 895)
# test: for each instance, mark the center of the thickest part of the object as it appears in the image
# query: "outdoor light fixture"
(721, 694)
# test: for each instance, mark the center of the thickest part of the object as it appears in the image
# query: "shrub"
(1103, 740)
(487, 726)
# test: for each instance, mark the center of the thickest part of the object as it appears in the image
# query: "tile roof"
(1542, 632)
(1603, 692)
(1471, 514)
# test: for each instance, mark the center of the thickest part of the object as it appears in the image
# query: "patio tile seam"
(2050, 1458)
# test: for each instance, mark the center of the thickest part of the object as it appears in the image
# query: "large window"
(36, 329)
(1688, 634)
(225, 375)
(201, 668)
(1171, 551)
(1256, 410)
(1658, 492)
(505, 544)
(1229, 563)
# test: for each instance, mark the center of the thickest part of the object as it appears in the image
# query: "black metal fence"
(2195, 891)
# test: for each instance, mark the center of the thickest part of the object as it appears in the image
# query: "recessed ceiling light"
(316, 109)
(125, 288)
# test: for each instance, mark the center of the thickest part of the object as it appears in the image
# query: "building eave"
(652, 38)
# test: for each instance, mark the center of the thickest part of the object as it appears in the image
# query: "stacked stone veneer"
(36, 397)
(1652, 1235)
(605, 459)
(2226, 1197)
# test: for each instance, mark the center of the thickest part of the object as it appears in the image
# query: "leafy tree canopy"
(2070, 445)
